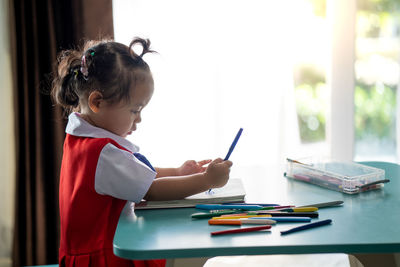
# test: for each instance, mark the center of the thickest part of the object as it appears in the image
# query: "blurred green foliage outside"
(378, 36)
(376, 110)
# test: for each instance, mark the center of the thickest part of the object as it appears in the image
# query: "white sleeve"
(122, 175)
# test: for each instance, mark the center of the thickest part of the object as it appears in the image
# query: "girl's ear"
(94, 101)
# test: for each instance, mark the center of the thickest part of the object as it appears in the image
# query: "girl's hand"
(217, 173)
(192, 167)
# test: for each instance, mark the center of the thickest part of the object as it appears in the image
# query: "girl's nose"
(138, 118)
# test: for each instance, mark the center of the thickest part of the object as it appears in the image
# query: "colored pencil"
(242, 230)
(306, 226)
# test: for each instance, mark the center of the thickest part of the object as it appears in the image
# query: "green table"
(367, 223)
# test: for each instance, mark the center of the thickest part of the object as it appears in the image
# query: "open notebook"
(233, 191)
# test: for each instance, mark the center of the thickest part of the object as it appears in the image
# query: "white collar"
(77, 126)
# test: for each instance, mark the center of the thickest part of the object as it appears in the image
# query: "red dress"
(89, 218)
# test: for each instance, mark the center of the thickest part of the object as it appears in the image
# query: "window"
(377, 76)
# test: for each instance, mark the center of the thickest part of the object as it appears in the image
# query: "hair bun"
(145, 44)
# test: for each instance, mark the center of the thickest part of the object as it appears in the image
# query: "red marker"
(242, 230)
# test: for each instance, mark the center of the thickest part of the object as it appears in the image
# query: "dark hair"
(107, 66)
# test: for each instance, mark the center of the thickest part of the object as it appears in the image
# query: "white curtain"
(340, 75)
(221, 65)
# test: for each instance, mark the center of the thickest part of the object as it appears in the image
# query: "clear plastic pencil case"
(346, 177)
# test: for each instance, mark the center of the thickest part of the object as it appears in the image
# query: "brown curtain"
(41, 29)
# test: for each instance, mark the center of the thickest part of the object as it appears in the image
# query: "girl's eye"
(136, 110)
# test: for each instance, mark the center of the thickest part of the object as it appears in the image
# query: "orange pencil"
(224, 222)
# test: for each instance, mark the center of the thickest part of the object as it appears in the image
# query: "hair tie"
(75, 73)
(84, 68)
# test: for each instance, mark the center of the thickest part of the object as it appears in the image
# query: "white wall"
(7, 141)
(213, 76)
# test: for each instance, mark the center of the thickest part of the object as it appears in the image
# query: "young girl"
(107, 85)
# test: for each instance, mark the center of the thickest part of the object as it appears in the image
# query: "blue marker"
(232, 147)
(234, 144)
(306, 226)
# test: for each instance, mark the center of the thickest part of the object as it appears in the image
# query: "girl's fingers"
(204, 162)
(228, 162)
(218, 160)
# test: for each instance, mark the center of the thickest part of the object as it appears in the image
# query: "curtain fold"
(41, 29)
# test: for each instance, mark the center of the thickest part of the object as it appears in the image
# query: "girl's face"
(121, 118)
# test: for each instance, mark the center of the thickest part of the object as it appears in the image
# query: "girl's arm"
(169, 188)
(163, 172)
(189, 167)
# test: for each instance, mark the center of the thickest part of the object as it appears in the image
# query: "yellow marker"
(240, 216)
(305, 209)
